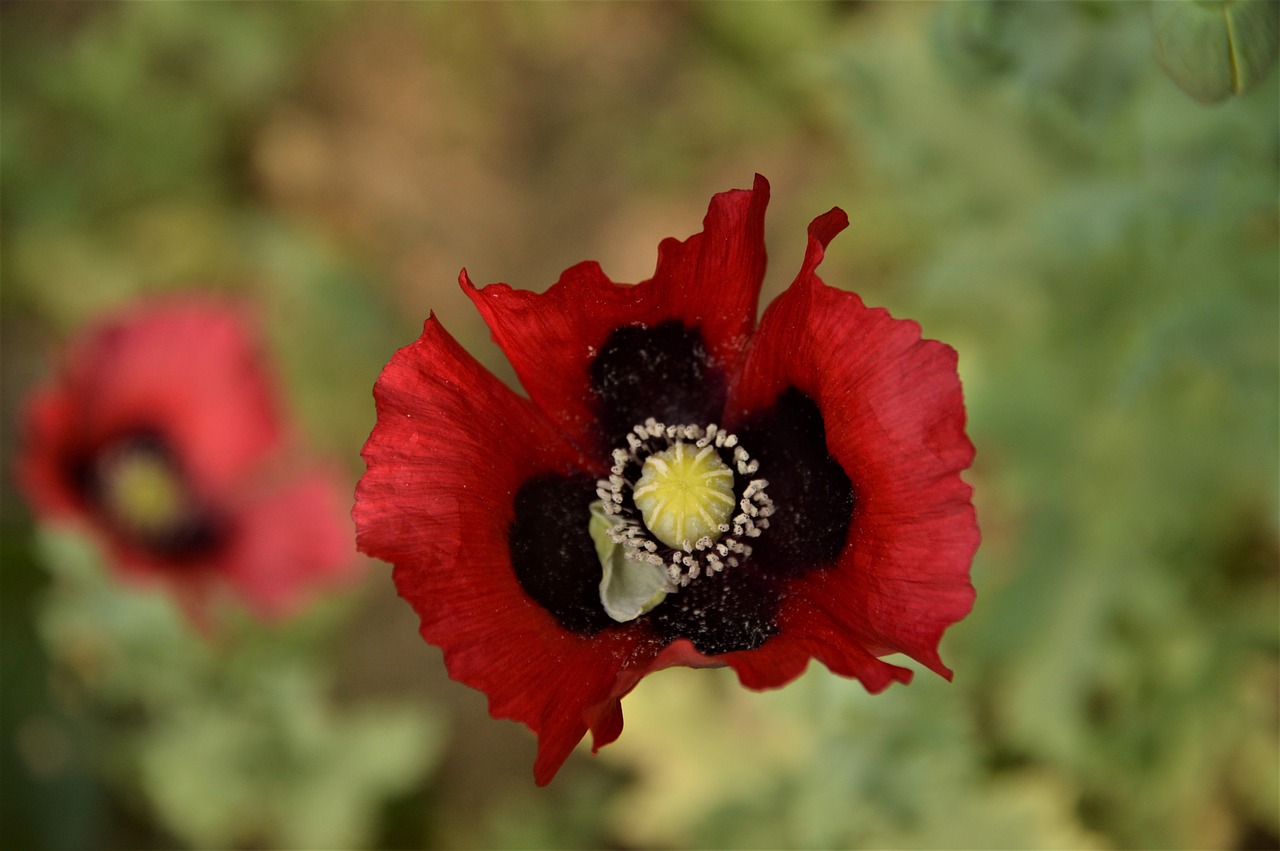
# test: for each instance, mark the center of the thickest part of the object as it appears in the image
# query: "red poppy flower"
(680, 487)
(161, 434)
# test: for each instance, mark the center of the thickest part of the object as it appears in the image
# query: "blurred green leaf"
(232, 736)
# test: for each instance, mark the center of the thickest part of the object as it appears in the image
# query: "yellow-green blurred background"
(1023, 179)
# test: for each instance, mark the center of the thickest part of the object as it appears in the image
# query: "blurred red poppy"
(161, 434)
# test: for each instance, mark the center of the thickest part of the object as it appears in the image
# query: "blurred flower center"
(142, 490)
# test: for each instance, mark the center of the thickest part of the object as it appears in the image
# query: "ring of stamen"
(721, 544)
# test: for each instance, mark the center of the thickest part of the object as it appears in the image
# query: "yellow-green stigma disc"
(144, 492)
(685, 493)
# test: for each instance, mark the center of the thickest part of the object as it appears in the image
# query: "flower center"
(680, 502)
(141, 490)
(685, 493)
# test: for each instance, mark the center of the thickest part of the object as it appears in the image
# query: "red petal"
(291, 543)
(894, 417)
(451, 447)
(711, 280)
(46, 422)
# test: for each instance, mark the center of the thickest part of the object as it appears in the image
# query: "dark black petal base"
(552, 552)
(736, 609)
(812, 496)
(662, 372)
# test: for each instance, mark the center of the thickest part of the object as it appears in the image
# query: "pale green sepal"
(628, 588)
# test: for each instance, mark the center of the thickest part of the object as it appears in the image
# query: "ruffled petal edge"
(710, 281)
(895, 422)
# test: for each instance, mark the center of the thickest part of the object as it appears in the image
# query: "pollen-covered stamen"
(683, 499)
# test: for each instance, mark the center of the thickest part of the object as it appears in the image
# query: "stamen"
(670, 493)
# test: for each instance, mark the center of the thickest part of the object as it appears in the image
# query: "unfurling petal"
(451, 450)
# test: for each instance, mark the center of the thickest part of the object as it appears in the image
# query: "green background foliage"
(1023, 179)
